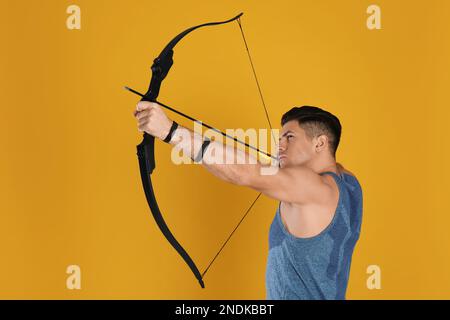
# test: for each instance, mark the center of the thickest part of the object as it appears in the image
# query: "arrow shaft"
(204, 125)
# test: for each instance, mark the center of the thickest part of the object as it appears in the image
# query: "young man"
(318, 221)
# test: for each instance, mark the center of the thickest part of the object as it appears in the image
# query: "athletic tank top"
(317, 267)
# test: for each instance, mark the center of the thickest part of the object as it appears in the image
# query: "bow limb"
(145, 155)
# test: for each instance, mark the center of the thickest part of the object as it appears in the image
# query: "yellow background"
(70, 191)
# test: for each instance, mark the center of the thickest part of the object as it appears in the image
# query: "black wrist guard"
(172, 130)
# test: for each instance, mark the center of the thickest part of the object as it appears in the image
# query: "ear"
(321, 143)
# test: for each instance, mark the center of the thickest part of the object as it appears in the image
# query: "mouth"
(283, 156)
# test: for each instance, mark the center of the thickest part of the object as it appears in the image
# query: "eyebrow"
(286, 133)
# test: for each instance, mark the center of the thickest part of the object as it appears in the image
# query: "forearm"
(224, 161)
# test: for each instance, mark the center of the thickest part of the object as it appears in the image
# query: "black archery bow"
(146, 149)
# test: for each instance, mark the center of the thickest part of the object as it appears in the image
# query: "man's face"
(295, 148)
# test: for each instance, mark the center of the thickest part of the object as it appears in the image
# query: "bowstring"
(231, 234)
(256, 77)
(271, 130)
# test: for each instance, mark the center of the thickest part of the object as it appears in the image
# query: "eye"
(289, 136)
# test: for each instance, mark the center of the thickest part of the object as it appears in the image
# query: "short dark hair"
(316, 121)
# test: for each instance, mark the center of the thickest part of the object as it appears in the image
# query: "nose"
(282, 145)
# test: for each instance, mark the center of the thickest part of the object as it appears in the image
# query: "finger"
(142, 114)
(144, 121)
(135, 112)
(145, 105)
(142, 126)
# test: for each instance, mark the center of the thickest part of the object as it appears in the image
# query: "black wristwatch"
(200, 154)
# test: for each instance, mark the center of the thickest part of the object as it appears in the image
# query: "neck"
(325, 164)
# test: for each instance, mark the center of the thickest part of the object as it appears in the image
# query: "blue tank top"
(317, 267)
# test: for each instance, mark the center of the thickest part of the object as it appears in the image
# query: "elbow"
(238, 177)
(242, 180)
(246, 178)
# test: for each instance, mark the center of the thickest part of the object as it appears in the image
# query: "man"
(318, 221)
